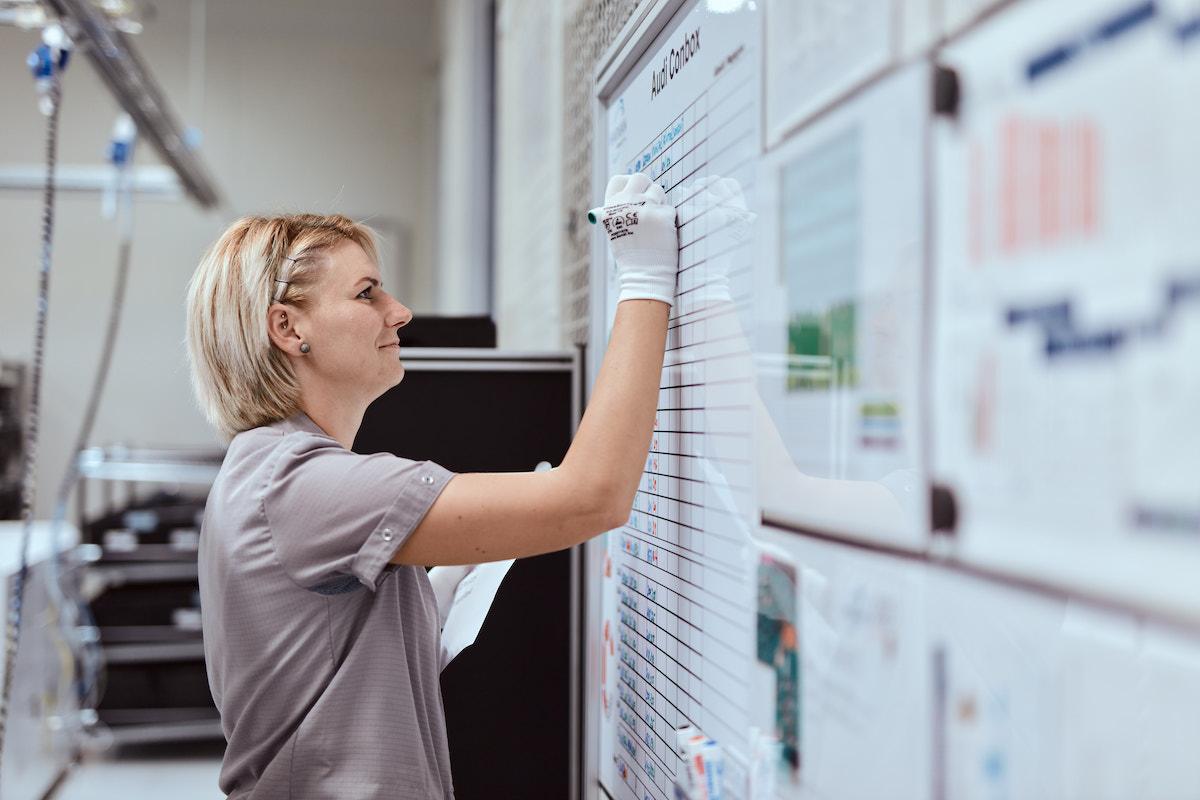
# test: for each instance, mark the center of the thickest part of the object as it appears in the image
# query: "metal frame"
(152, 733)
(152, 180)
(458, 354)
(154, 652)
(152, 466)
(577, 630)
(127, 76)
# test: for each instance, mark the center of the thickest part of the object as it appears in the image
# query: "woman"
(320, 623)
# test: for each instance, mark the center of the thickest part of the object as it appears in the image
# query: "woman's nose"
(402, 315)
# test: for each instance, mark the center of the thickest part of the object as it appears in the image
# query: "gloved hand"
(640, 223)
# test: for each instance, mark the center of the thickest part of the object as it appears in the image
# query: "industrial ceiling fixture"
(126, 16)
(101, 29)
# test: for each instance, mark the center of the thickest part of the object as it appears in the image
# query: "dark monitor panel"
(507, 698)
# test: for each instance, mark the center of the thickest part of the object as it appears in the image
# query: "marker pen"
(596, 213)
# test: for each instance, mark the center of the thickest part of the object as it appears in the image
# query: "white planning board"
(677, 594)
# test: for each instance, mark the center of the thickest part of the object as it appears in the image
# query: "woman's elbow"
(599, 505)
(614, 504)
(603, 510)
(616, 517)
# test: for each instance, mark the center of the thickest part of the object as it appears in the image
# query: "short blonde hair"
(241, 379)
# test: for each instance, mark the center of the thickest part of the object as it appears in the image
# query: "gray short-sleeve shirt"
(322, 656)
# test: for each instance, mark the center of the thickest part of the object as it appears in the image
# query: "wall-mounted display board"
(865, 673)
(1035, 696)
(945, 246)
(1068, 299)
(674, 624)
(817, 51)
(838, 314)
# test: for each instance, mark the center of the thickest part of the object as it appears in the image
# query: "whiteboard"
(676, 599)
(839, 304)
(1068, 301)
(819, 49)
(1035, 696)
(865, 673)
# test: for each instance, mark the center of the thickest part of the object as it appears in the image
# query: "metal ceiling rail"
(131, 82)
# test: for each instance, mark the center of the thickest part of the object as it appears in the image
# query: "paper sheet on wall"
(472, 602)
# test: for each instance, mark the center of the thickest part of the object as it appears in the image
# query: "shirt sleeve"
(335, 515)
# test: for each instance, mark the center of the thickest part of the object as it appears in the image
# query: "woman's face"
(352, 325)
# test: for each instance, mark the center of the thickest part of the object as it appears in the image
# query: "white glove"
(445, 581)
(640, 223)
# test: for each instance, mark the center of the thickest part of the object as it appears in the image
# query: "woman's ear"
(281, 327)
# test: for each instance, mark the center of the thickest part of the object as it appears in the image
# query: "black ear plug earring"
(304, 348)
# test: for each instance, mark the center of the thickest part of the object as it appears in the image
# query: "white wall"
(529, 207)
(308, 107)
(464, 157)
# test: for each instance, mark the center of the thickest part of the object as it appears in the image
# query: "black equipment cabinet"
(511, 699)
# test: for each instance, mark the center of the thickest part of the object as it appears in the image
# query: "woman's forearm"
(608, 454)
(483, 517)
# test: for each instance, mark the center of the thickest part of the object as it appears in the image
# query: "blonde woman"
(321, 625)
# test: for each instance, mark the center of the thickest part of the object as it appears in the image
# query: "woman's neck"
(334, 415)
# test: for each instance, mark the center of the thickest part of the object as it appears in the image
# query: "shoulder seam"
(262, 506)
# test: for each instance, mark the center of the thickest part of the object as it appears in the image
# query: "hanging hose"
(48, 62)
(89, 651)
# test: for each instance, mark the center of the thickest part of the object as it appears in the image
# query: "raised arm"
(489, 516)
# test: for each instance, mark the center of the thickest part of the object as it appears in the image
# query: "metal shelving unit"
(143, 465)
(12, 402)
(147, 653)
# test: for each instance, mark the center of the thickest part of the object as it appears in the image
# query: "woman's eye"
(365, 293)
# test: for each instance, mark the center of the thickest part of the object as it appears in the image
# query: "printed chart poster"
(1068, 300)
(838, 308)
(679, 604)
